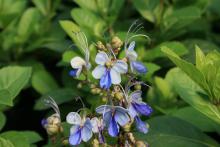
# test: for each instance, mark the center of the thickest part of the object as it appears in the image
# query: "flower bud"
(98, 90)
(53, 125)
(95, 143)
(79, 85)
(131, 138)
(93, 91)
(137, 87)
(65, 142)
(92, 86)
(104, 99)
(140, 144)
(116, 42)
(119, 95)
(52, 129)
(101, 46)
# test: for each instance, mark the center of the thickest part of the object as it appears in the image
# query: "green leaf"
(175, 21)
(180, 18)
(43, 82)
(188, 68)
(200, 58)
(89, 5)
(41, 5)
(196, 118)
(2, 120)
(152, 68)
(32, 136)
(166, 131)
(156, 52)
(90, 21)
(12, 81)
(27, 24)
(18, 139)
(5, 143)
(59, 95)
(147, 8)
(70, 27)
(163, 86)
(188, 91)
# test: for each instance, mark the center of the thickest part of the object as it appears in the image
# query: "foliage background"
(36, 45)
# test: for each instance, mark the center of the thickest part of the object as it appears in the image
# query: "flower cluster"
(124, 105)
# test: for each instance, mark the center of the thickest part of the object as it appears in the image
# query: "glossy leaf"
(167, 131)
(2, 120)
(189, 92)
(12, 81)
(43, 82)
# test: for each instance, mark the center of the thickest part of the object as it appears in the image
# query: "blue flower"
(137, 106)
(97, 127)
(113, 116)
(73, 72)
(81, 129)
(139, 67)
(140, 125)
(77, 64)
(108, 71)
(132, 57)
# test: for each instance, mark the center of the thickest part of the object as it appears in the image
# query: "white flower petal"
(115, 76)
(77, 62)
(101, 58)
(120, 66)
(98, 71)
(132, 55)
(95, 123)
(73, 118)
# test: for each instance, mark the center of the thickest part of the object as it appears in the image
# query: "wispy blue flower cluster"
(124, 106)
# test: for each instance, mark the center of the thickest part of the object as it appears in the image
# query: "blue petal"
(103, 108)
(132, 111)
(139, 67)
(44, 122)
(140, 125)
(86, 133)
(107, 118)
(101, 137)
(75, 138)
(142, 108)
(131, 46)
(73, 72)
(113, 128)
(121, 118)
(105, 81)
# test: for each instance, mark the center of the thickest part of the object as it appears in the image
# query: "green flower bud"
(104, 99)
(119, 95)
(93, 91)
(137, 87)
(116, 42)
(65, 142)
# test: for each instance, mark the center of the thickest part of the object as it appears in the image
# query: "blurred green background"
(37, 43)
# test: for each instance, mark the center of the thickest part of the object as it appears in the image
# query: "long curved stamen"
(129, 30)
(80, 99)
(139, 82)
(50, 102)
(138, 35)
(125, 94)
